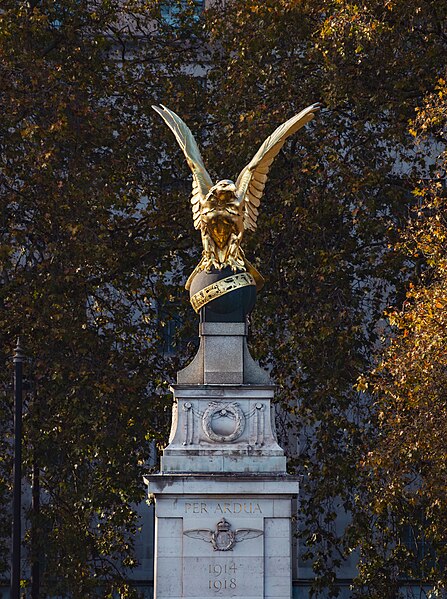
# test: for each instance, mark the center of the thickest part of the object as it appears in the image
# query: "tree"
(408, 460)
(90, 214)
(96, 243)
(328, 228)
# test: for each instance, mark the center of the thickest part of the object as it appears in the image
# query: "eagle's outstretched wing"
(251, 181)
(202, 182)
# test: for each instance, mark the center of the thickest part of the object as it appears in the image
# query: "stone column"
(222, 497)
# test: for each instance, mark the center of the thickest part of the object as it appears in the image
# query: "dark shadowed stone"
(233, 306)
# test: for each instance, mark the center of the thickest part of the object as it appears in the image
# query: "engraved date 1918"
(222, 576)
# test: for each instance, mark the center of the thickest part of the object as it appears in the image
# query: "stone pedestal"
(223, 357)
(223, 536)
(223, 498)
(223, 428)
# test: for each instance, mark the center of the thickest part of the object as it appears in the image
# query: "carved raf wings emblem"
(222, 212)
(223, 539)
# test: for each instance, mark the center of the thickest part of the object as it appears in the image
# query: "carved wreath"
(223, 410)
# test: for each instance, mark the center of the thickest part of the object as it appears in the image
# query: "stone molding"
(218, 428)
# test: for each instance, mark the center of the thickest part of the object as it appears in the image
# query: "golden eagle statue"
(225, 210)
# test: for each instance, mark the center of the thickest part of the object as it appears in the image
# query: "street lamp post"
(17, 492)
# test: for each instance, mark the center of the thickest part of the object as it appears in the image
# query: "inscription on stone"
(226, 507)
(223, 545)
(222, 576)
(230, 576)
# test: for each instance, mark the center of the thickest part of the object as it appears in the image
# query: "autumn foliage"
(97, 242)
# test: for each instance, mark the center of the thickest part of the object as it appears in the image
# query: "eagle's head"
(223, 190)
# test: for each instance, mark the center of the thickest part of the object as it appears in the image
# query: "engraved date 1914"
(222, 576)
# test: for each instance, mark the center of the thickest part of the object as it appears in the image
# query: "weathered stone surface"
(182, 486)
(218, 428)
(223, 498)
(223, 358)
(250, 557)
